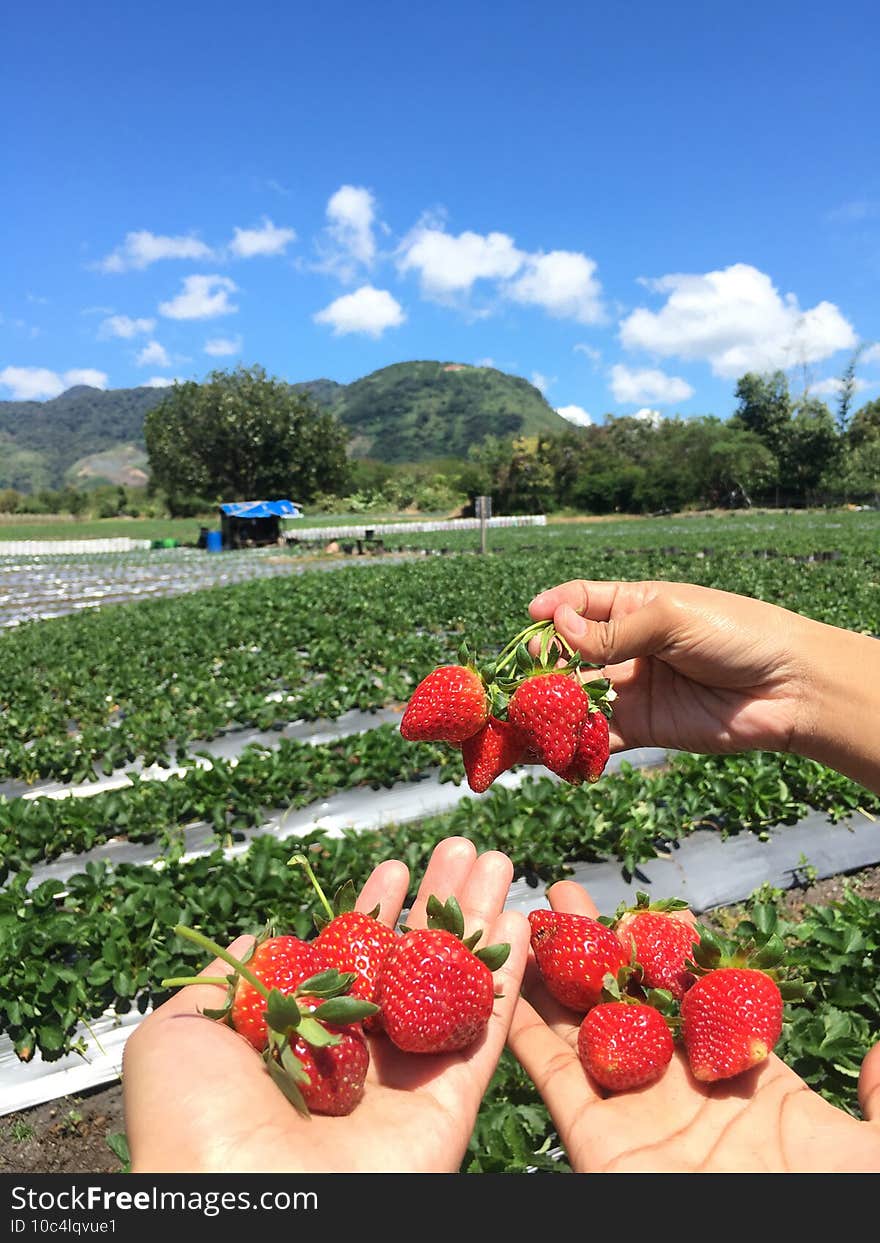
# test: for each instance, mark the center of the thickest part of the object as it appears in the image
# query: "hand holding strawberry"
(765, 1120)
(198, 1097)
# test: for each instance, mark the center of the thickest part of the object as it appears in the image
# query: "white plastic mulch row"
(66, 547)
(294, 533)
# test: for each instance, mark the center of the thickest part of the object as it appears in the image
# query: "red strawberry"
(662, 943)
(354, 941)
(449, 705)
(490, 752)
(336, 1073)
(435, 993)
(574, 953)
(350, 940)
(731, 1018)
(550, 709)
(278, 962)
(592, 751)
(624, 1044)
(281, 1021)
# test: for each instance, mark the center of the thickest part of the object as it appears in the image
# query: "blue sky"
(629, 205)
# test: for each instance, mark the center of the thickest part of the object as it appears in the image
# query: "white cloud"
(351, 212)
(124, 326)
(85, 375)
(648, 385)
(221, 347)
(203, 297)
(266, 240)
(367, 310)
(161, 381)
(872, 354)
(575, 414)
(563, 283)
(542, 382)
(736, 320)
(449, 266)
(832, 386)
(153, 355)
(141, 248)
(594, 355)
(40, 384)
(485, 362)
(646, 415)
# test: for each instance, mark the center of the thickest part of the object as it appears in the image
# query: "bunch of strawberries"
(647, 977)
(518, 709)
(305, 1005)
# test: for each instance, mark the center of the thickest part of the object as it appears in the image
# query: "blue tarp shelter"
(248, 524)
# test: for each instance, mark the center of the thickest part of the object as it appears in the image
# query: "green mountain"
(408, 412)
(411, 412)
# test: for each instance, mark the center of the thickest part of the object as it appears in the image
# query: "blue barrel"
(214, 541)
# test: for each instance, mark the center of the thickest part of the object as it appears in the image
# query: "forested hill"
(413, 411)
(408, 412)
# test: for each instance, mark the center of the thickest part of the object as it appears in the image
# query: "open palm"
(766, 1120)
(198, 1099)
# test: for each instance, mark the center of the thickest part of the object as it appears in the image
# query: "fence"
(378, 530)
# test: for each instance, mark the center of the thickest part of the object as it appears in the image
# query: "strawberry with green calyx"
(349, 940)
(550, 705)
(435, 991)
(574, 954)
(449, 705)
(493, 750)
(732, 1016)
(661, 942)
(280, 962)
(331, 1071)
(624, 1042)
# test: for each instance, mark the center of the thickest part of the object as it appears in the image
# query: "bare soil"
(69, 1135)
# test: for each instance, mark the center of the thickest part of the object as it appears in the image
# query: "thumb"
(869, 1085)
(643, 632)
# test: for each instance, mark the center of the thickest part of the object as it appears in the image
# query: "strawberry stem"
(205, 943)
(304, 863)
(508, 653)
(184, 981)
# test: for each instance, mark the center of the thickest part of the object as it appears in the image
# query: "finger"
(571, 898)
(510, 928)
(643, 632)
(551, 1064)
(446, 875)
(485, 891)
(869, 1085)
(579, 594)
(385, 887)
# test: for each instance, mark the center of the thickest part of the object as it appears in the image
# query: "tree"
(847, 392)
(764, 407)
(811, 448)
(242, 435)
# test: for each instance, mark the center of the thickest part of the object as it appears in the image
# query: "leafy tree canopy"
(242, 435)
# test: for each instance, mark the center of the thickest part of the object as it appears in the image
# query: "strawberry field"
(117, 689)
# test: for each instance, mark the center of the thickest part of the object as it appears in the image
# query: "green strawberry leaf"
(288, 1087)
(344, 1010)
(494, 956)
(282, 1011)
(315, 1034)
(328, 983)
